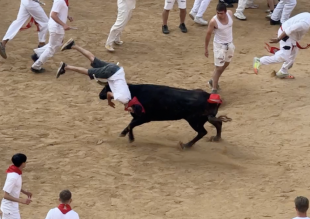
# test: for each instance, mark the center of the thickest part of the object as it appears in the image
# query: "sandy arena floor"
(71, 137)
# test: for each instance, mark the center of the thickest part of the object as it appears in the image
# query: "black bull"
(162, 103)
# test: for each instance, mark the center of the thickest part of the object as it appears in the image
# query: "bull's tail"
(224, 118)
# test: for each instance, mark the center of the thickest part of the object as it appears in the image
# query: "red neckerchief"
(64, 210)
(134, 101)
(32, 21)
(14, 169)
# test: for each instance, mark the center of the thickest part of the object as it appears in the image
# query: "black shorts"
(102, 69)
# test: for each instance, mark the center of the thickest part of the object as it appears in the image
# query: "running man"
(64, 210)
(125, 8)
(199, 8)
(101, 69)
(27, 9)
(13, 187)
(57, 27)
(289, 33)
(168, 6)
(223, 47)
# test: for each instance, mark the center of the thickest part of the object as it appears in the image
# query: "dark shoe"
(2, 51)
(34, 57)
(165, 29)
(183, 28)
(61, 70)
(272, 22)
(42, 70)
(228, 5)
(67, 45)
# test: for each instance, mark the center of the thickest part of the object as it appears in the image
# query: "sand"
(71, 137)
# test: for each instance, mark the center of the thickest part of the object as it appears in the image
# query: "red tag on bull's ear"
(214, 98)
(133, 102)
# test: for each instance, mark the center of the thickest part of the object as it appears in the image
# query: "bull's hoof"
(215, 139)
(183, 146)
(122, 135)
(131, 140)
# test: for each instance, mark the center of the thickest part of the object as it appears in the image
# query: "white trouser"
(123, 16)
(242, 4)
(47, 51)
(24, 14)
(283, 10)
(287, 57)
(200, 6)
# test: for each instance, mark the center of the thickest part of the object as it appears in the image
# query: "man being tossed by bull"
(105, 70)
(289, 34)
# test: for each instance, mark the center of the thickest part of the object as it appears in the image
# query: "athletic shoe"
(201, 21)
(256, 64)
(34, 57)
(67, 45)
(165, 29)
(42, 70)
(273, 22)
(183, 28)
(118, 42)
(109, 48)
(192, 15)
(2, 51)
(240, 16)
(61, 70)
(269, 15)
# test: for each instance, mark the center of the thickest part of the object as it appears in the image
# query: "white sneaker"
(267, 11)
(240, 16)
(119, 42)
(200, 20)
(192, 15)
(269, 15)
(109, 48)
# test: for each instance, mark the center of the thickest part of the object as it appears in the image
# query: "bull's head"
(105, 90)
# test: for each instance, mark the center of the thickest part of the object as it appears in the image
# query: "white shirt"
(296, 27)
(60, 7)
(301, 218)
(223, 33)
(13, 186)
(119, 87)
(55, 213)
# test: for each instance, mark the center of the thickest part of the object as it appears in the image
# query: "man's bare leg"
(165, 17)
(80, 70)
(217, 74)
(182, 15)
(4, 42)
(64, 67)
